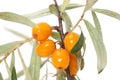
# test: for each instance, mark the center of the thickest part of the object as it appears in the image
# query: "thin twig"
(80, 19)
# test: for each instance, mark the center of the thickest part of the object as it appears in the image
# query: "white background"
(110, 29)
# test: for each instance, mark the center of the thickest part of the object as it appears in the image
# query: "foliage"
(33, 71)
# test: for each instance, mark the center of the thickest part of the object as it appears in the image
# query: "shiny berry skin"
(45, 48)
(70, 40)
(73, 65)
(41, 31)
(60, 59)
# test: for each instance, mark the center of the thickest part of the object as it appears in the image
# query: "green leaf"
(64, 5)
(108, 13)
(46, 11)
(38, 14)
(89, 4)
(97, 24)
(60, 75)
(79, 44)
(17, 33)
(55, 35)
(9, 16)
(9, 47)
(35, 64)
(99, 46)
(82, 63)
(72, 6)
(1, 78)
(67, 20)
(65, 17)
(77, 77)
(13, 76)
(12, 64)
(26, 72)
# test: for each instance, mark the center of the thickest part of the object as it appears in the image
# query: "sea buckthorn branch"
(62, 35)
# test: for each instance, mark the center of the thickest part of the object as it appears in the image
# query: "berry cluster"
(61, 58)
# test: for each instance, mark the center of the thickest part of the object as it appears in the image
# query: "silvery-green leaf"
(1, 78)
(35, 64)
(99, 46)
(25, 69)
(55, 35)
(38, 14)
(9, 16)
(108, 13)
(64, 5)
(46, 12)
(89, 4)
(97, 24)
(9, 47)
(60, 75)
(17, 33)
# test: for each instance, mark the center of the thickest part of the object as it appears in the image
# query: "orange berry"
(60, 58)
(70, 40)
(46, 48)
(73, 65)
(41, 31)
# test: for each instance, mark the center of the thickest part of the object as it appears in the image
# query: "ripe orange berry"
(70, 40)
(46, 48)
(41, 31)
(60, 58)
(73, 65)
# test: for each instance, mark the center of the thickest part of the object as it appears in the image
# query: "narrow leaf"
(9, 47)
(72, 6)
(65, 17)
(55, 35)
(108, 13)
(1, 78)
(97, 24)
(17, 33)
(99, 46)
(79, 44)
(9, 16)
(35, 64)
(67, 20)
(38, 14)
(64, 5)
(89, 4)
(60, 75)
(27, 74)
(82, 64)
(46, 11)
(77, 77)
(14, 75)
(20, 73)
(12, 64)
